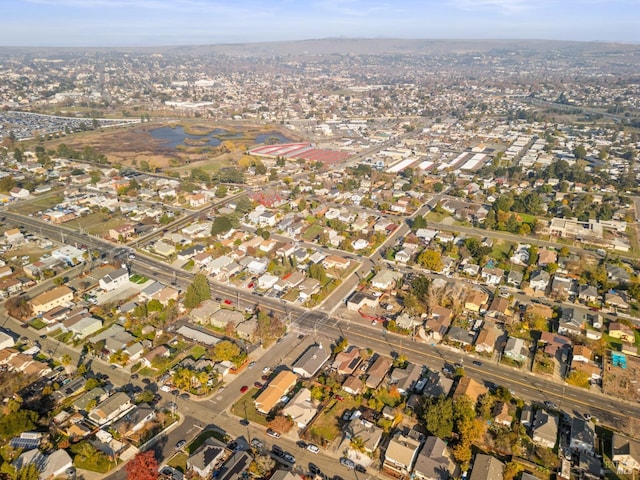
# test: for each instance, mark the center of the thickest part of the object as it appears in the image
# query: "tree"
(226, 350)
(438, 417)
(580, 152)
(198, 291)
(262, 466)
(340, 345)
(28, 472)
(15, 422)
(143, 466)
(431, 260)
(578, 378)
(418, 223)
(220, 225)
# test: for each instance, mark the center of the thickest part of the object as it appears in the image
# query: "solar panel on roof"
(25, 443)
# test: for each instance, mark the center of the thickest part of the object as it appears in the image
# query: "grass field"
(326, 426)
(139, 279)
(245, 408)
(96, 223)
(200, 439)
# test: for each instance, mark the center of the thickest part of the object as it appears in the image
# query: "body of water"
(174, 136)
(274, 135)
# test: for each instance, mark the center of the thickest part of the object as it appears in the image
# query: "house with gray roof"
(545, 428)
(207, 458)
(583, 436)
(435, 461)
(487, 467)
(308, 364)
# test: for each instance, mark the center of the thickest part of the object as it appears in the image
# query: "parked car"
(277, 450)
(301, 444)
(258, 385)
(244, 388)
(252, 364)
(266, 369)
(314, 469)
(272, 433)
(360, 468)
(227, 302)
(347, 463)
(550, 405)
(289, 458)
(135, 376)
(257, 443)
(477, 363)
(180, 444)
(313, 448)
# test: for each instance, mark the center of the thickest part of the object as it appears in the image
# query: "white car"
(313, 448)
(266, 369)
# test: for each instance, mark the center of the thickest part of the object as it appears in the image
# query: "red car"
(258, 385)
(228, 302)
(339, 398)
(251, 285)
(244, 388)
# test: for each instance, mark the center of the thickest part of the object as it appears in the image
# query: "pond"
(173, 136)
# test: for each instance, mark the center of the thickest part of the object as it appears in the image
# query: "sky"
(122, 23)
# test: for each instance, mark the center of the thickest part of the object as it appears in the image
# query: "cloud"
(503, 6)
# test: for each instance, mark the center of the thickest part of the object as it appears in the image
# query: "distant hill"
(357, 46)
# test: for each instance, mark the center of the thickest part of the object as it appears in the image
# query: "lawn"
(101, 465)
(37, 324)
(197, 351)
(501, 250)
(312, 232)
(326, 426)
(179, 462)
(38, 204)
(139, 279)
(96, 223)
(245, 408)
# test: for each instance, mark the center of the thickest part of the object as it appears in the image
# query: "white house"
(113, 280)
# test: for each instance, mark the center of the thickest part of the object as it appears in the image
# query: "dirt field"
(623, 383)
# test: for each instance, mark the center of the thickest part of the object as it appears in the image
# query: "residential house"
(625, 454)
(115, 279)
(502, 416)
(134, 420)
(545, 428)
(588, 294)
(402, 452)
(546, 257)
(378, 371)
(514, 278)
(335, 262)
(492, 276)
(308, 364)
(622, 332)
(307, 288)
(385, 279)
(539, 281)
(461, 336)
(274, 391)
(500, 308)
(583, 436)
(61, 295)
(582, 353)
(121, 233)
(366, 430)
(52, 465)
(475, 300)
(405, 379)
(516, 350)
(487, 337)
(470, 388)
(571, 321)
(360, 299)
(111, 409)
(439, 322)
(406, 321)
(562, 287)
(487, 467)
(347, 361)
(616, 300)
(437, 385)
(225, 316)
(207, 458)
(236, 468)
(353, 385)
(554, 343)
(435, 461)
(203, 312)
(301, 408)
